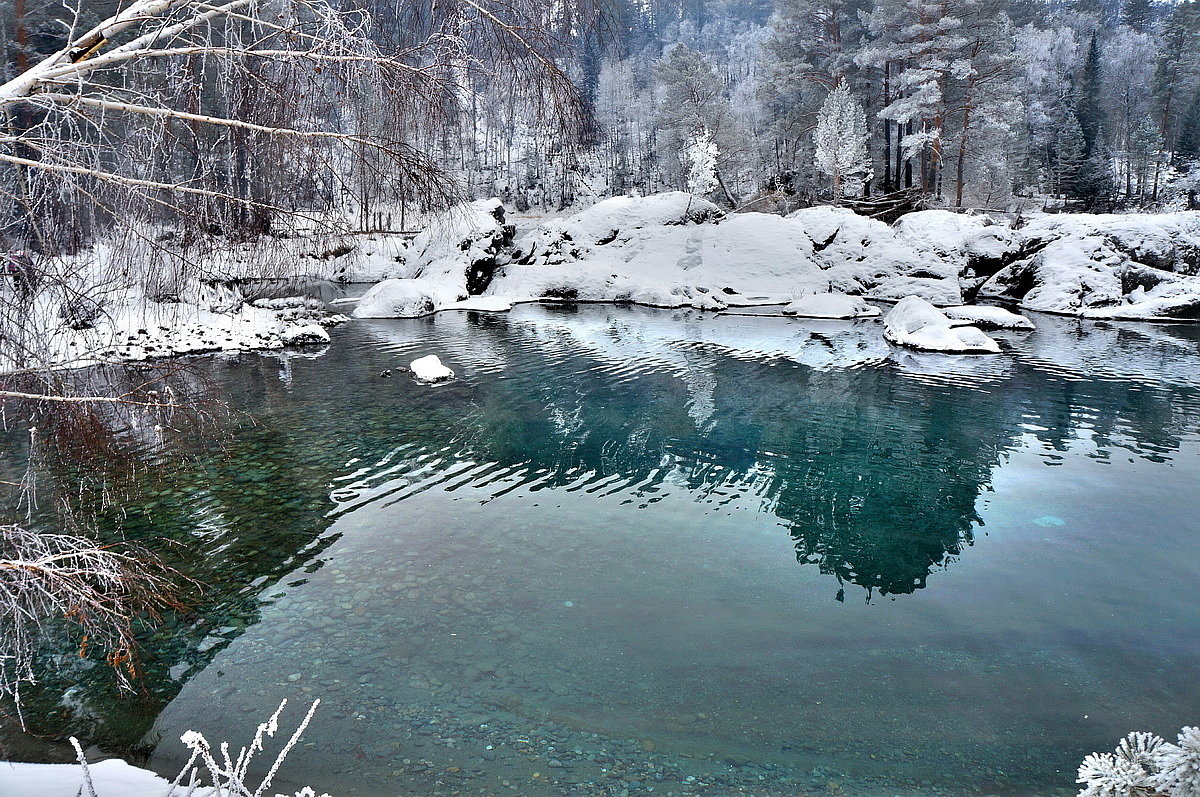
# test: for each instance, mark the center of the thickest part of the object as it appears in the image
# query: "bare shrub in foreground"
(228, 776)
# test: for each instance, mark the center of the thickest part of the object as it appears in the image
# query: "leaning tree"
(177, 125)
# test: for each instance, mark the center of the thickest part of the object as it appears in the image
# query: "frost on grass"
(209, 772)
(1144, 765)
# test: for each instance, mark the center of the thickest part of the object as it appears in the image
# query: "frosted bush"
(1144, 765)
(228, 776)
(1179, 765)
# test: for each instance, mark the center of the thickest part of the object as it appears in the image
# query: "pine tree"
(1189, 141)
(1096, 184)
(1088, 109)
(840, 138)
(1138, 14)
(1070, 155)
(692, 101)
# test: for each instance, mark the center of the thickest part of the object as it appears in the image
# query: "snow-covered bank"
(110, 778)
(100, 307)
(133, 327)
(677, 250)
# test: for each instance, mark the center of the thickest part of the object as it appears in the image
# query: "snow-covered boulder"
(1135, 266)
(866, 256)
(831, 305)
(987, 317)
(430, 369)
(917, 324)
(562, 240)
(407, 298)
(305, 335)
(674, 250)
(463, 245)
(973, 245)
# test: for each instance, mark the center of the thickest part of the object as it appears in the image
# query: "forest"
(998, 104)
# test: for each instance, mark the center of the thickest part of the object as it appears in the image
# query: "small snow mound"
(917, 324)
(986, 317)
(831, 305)
(429, 369)
(109, 777)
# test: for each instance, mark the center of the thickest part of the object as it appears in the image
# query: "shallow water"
(643, 550)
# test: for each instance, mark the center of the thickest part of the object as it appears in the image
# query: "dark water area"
(649, 551)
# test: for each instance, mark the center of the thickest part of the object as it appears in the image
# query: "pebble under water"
(634, 551)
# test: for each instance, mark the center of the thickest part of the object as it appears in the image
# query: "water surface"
(655, 551)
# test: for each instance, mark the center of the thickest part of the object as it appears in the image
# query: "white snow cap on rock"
(917, 324)
(407, 298)
(831, 305)
(986, 317)
(430, 369)
(307, 334)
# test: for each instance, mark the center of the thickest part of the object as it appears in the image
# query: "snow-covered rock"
(1136, 266)
(407, 298)
(561, 240)
(673, 250)
(831, 305)
(454, 258)
(866, 256)
(463, 246)
(917, 324)
(972, 245)
(987, 317)
(430, 369)
(304, 335)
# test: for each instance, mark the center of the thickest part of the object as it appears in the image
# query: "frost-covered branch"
(1145, 765)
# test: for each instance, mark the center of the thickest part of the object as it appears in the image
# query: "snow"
(111, 778)
(671, 250)
(677, 250)
(407, 298)
(987, 317)
(430, 369)
(1132, 267)
(917, 324)
(831, 305)
(123, 323)
(307, 334)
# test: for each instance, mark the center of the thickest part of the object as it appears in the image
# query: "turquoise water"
(660, 552)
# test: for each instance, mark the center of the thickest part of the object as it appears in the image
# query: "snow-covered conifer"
(840, 139)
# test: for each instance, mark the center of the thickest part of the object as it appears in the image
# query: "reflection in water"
(674, 440)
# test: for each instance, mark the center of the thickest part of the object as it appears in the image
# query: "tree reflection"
(875, 469)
